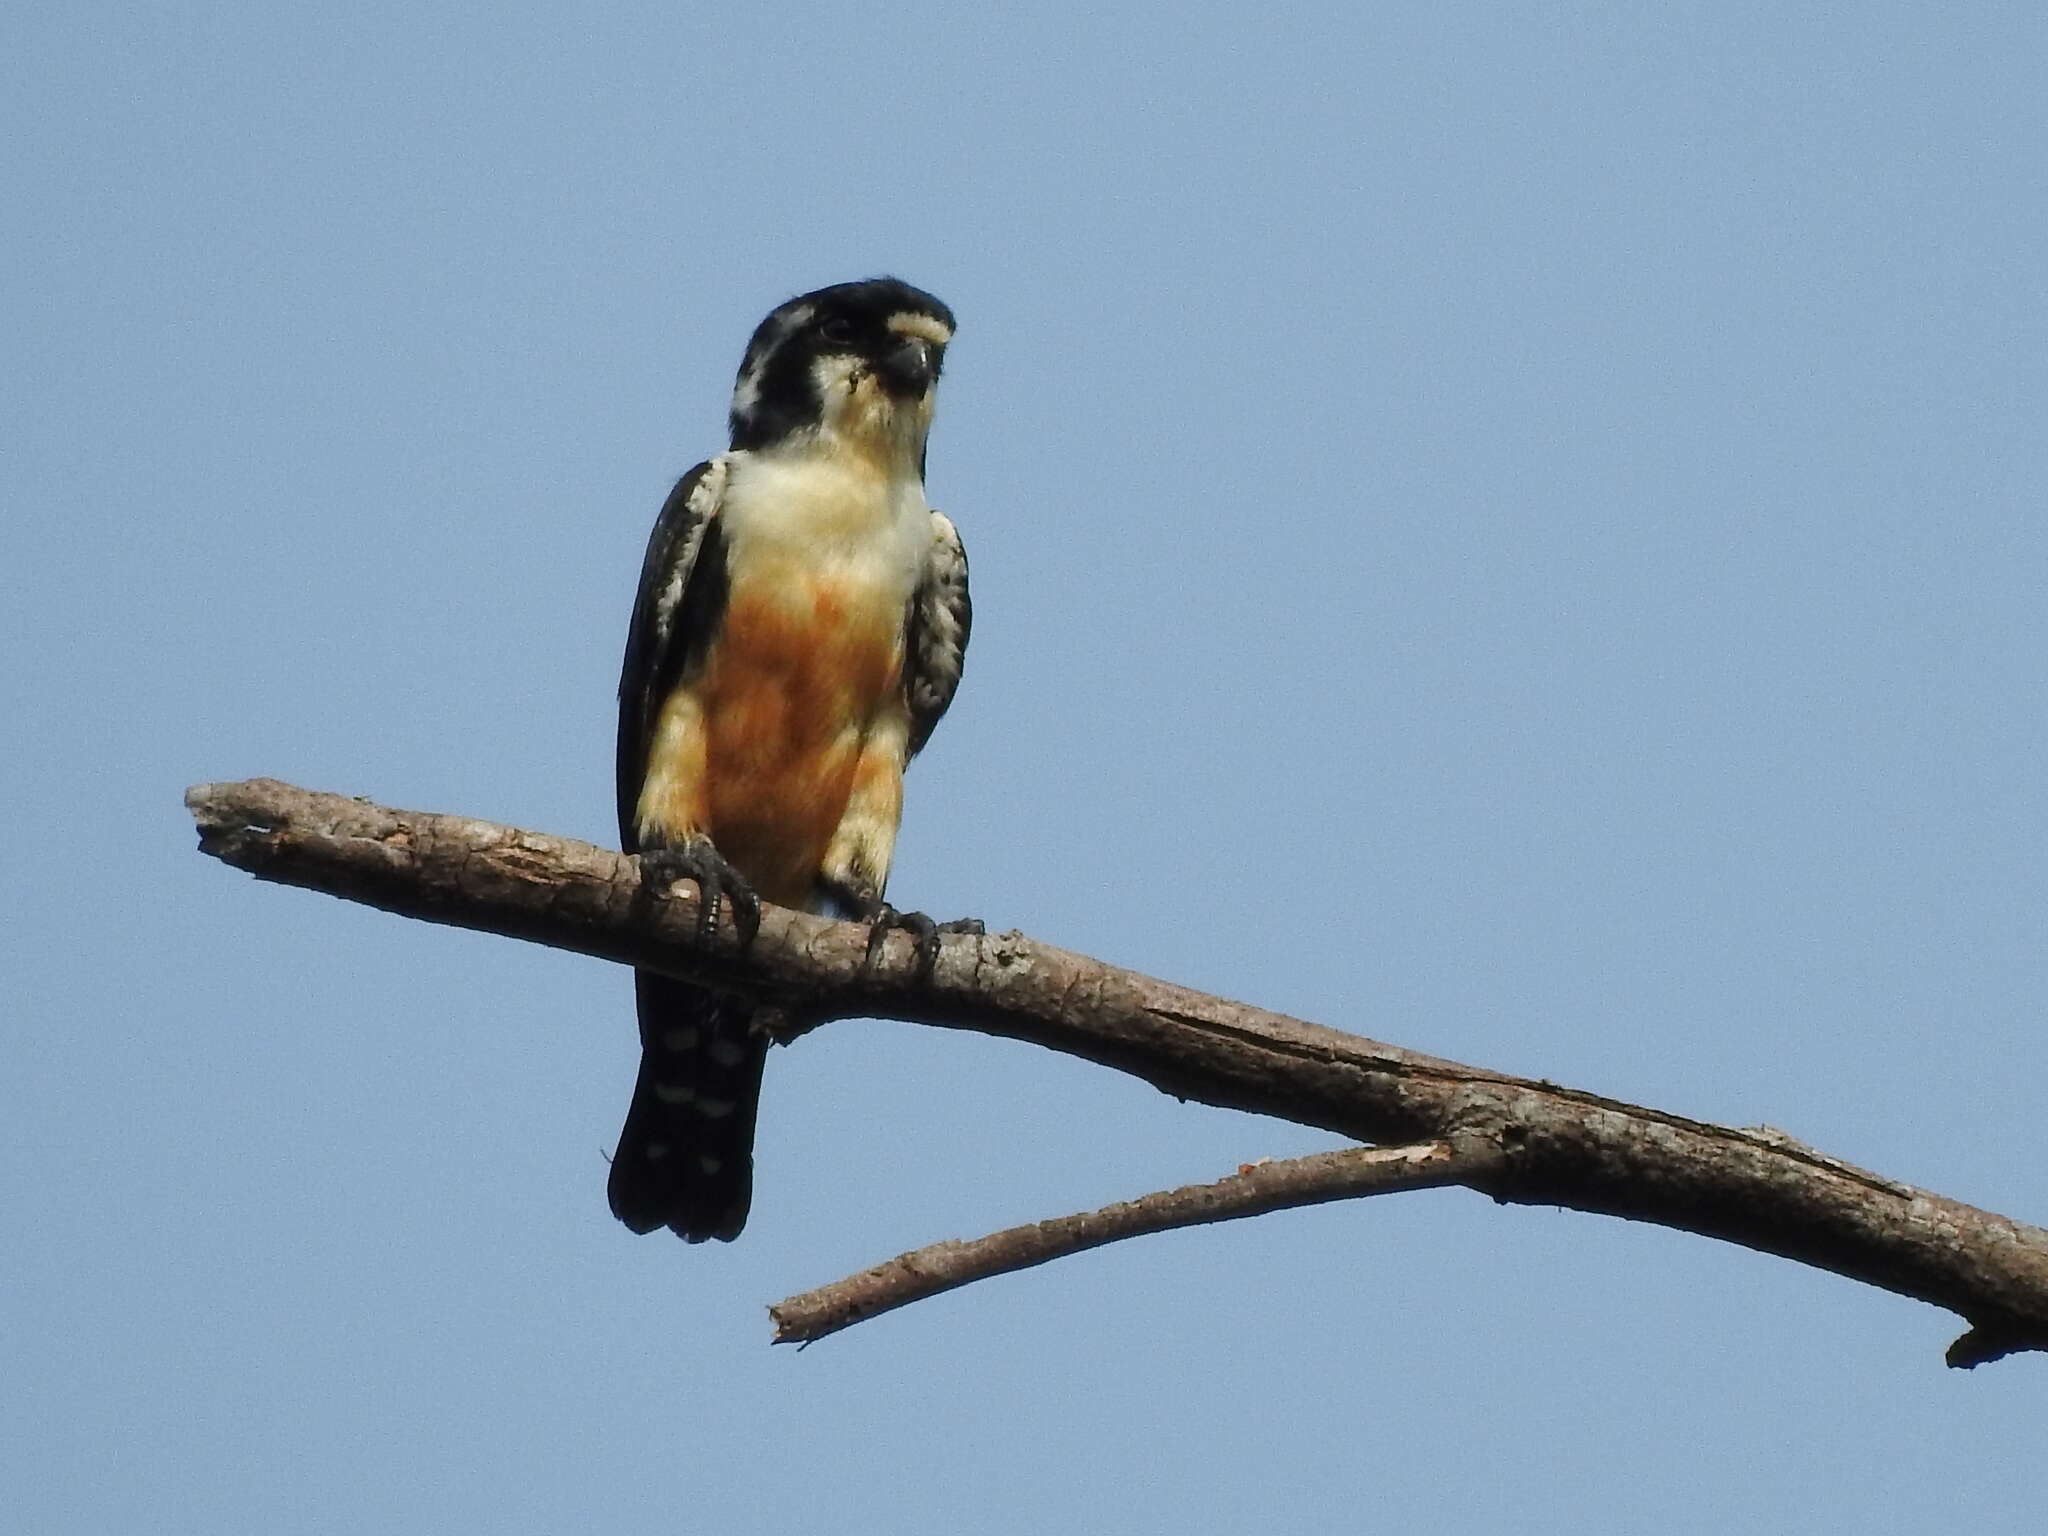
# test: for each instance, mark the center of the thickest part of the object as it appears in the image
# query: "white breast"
(800, 514)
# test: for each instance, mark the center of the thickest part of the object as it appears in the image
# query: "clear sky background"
(1515, 530)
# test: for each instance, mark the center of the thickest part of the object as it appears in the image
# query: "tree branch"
(1349, 1173)
(1552, 1145)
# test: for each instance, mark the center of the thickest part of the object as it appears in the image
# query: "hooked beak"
(910, 368)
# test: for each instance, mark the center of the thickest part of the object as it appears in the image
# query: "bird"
(800, 626)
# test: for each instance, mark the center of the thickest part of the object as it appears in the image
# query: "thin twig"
(1346, 1174)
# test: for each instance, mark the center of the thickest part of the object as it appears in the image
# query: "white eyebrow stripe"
(924, 327)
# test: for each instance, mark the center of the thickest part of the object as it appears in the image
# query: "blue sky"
(1513, 530)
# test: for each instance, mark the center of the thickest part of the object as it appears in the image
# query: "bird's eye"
(838, 330)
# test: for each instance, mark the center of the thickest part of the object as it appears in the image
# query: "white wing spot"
(674, 1093)
(728, 1053)
(715, 1109)
(710, 1164)
(710, 488)
(656, 1151)
(680, 1037)
(671, 594)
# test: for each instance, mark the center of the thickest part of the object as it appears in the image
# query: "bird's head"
(851, 368)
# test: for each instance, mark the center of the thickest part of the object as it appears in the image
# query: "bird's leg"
(718, 884)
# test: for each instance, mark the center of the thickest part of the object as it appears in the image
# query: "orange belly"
(788, 695)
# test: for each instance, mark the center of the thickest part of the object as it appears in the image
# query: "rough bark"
(1518, 1140)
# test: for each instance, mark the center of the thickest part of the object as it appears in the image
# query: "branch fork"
(1434, 1122)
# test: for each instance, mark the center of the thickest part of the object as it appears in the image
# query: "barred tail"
(686, 1155)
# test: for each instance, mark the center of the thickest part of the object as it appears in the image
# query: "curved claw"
(922, 930)
(719, 885)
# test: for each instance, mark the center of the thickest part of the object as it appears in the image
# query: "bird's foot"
(718, 885)
(922, 930)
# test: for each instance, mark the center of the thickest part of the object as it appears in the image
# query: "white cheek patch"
(858, 415)
(834, 374)
(923, 327)
(839, 380)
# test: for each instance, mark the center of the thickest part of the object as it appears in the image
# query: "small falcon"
(800, 628)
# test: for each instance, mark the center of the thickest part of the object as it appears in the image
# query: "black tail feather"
(686, 1156)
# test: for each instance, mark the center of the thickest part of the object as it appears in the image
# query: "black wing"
(935, 647)
(682, 593)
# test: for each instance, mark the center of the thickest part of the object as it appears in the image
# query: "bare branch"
(1347, 1174)
(1556, 1146)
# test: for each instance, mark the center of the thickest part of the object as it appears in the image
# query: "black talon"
(718, 885)
(923, 931)
(880, 922)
